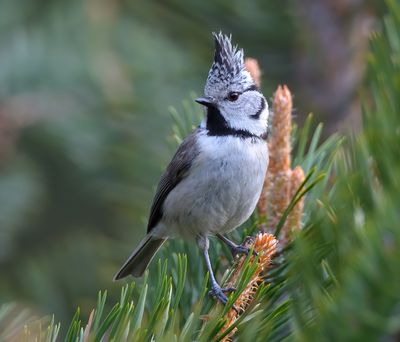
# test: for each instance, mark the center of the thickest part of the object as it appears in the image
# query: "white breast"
(221, 190)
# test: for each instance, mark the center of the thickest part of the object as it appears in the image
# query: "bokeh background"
(85, 92)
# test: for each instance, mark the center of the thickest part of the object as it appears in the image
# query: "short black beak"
(206, 101)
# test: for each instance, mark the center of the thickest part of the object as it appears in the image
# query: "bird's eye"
(233, 96)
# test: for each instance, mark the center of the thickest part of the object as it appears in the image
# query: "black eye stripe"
(260, 110)
(253, 87)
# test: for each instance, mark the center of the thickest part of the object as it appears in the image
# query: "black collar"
(217, 126)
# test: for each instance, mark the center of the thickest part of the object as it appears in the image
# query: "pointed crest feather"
(227, 56)
(228, 66)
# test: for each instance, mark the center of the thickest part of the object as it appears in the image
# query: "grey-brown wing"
(176, 171)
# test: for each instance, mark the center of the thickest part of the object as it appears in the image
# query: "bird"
(214, 180)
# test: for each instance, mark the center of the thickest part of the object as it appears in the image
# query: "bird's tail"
(141, 257)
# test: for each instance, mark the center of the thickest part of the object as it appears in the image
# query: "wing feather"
(176, 171)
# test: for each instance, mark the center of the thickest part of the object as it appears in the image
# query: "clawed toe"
(228, 289)
(239, 249)
(219, 293)
(234, 248)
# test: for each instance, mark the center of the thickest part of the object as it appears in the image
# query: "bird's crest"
(228, 66)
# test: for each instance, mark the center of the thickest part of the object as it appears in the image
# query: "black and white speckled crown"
(228, 68)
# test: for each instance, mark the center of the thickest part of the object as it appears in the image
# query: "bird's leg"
(234, 248)
(216, 290)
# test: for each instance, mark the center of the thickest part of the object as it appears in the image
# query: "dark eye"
(233, 96)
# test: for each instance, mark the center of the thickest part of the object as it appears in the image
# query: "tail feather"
(140, 258)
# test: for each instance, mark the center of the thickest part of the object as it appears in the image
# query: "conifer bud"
(266, 246)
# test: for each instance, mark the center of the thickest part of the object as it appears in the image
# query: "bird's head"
(230, 94)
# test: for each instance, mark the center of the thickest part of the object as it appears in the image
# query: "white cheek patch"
(250, 114)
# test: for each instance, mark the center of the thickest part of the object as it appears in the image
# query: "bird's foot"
(219, 292)
(239, 249)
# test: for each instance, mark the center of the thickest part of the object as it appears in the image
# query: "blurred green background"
(85, 88)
